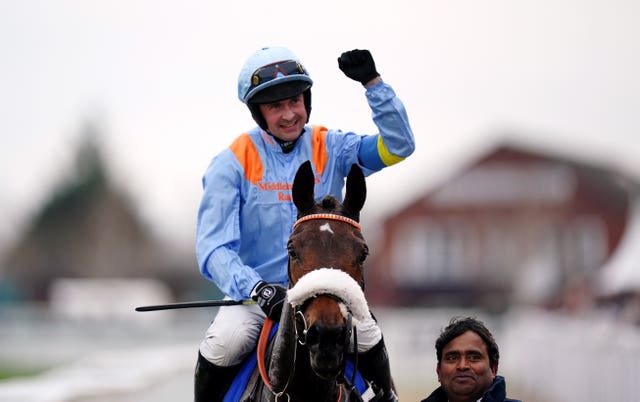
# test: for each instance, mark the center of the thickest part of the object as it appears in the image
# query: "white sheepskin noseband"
(334, 282)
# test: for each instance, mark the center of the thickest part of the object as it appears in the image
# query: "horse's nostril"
(313, 335)
(326, 337)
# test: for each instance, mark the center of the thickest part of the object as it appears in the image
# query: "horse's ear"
(302, 191)
(356, 192)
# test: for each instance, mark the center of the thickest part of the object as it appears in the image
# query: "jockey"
(246, 213)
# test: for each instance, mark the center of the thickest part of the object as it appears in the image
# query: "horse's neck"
(283, 352)
(308, 387)
(290, 368)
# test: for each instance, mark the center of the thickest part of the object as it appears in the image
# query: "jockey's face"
(285, 118)
(465, 372)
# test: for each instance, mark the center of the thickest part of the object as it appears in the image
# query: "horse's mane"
(330, 204)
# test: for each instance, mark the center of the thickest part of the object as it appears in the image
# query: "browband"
(334, 217)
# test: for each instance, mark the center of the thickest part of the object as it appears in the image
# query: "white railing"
(545, 357)
(569, 358)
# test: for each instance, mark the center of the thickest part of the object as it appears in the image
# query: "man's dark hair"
(458, 326)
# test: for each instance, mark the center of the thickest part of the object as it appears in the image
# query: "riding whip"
(199, 303)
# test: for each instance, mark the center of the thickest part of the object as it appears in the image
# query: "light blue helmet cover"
(264, 57)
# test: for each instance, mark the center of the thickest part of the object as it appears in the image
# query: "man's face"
(464, 372)
(286, 118)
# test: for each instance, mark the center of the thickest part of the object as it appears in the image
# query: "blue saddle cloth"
(242, 378)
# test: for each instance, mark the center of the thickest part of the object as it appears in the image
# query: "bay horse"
(325, 299)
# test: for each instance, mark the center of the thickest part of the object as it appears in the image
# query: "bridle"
(333, 217)
(301, 337)
(301, 333)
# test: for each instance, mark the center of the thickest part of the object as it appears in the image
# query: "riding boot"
(212, 381)
(374, 366)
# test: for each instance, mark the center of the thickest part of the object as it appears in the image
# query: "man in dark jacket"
(468, 365)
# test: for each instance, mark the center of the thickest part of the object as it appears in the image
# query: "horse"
(325, 299)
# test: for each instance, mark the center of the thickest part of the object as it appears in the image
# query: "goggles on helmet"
(274, 70)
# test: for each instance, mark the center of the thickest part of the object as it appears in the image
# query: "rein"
(263, 341)
(262, 347)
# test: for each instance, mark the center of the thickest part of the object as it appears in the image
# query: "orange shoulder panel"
(245, 150)
(319, 148)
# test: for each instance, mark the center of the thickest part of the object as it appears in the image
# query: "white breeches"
(232, 335)
(234, 332)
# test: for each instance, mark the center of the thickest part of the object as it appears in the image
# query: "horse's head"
(327, 233)
(327, 237)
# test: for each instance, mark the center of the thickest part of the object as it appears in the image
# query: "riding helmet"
(272, 74)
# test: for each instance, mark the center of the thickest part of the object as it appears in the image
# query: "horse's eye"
(291, 251)
(363, 256)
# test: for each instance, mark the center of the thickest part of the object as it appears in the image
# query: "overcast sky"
(159, 80)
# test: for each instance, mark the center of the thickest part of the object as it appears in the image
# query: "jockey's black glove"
(358, 65)
(270, 298)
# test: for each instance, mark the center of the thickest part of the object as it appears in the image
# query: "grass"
(14, 372)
